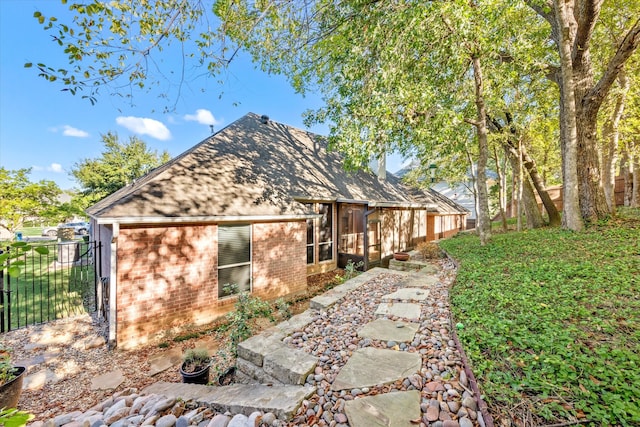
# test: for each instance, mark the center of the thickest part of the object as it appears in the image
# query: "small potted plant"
(195, 366)
(10, 380)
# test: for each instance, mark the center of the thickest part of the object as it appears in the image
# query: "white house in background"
(461, 194)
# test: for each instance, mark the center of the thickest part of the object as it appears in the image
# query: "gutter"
(113, 274)
(200, 219)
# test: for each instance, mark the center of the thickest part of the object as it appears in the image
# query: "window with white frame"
(325, 232)
(320, 233)
(234, 259)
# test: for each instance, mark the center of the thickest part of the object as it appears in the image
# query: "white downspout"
(113, 286)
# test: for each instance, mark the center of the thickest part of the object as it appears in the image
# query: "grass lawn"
(47, 290)
(551, 322)
(31, 231)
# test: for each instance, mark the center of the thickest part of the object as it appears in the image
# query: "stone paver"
(238, 398)
(107, 381)
(405, 310)
(418, 280)
(210, 344)
(407, 294)
(372, 366)
(165, 360)
(38, 379)
(400, 409)
(389, 330)
(289, 365)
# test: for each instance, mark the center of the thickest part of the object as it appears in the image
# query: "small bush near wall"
(430, 250)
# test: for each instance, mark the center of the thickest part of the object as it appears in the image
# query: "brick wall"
(279, 258)
(167, 275)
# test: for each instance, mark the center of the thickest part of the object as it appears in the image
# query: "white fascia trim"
(354, 201)
(211, 219)
(311, 199)
(403, 205)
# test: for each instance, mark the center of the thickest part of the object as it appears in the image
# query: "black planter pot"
(227, 377)
(198, 377)
(10, 392)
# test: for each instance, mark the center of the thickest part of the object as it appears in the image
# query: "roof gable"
(249, 168)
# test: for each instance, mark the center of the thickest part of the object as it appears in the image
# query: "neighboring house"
(461, 195)
(258, 204)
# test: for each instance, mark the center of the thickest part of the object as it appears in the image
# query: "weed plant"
(552, 322)
(246, 308)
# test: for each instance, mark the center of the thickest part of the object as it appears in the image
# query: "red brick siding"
(167, 275)
(279, 258)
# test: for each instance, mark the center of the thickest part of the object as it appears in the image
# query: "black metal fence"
(60, 283)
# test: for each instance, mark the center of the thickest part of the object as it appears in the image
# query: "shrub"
(247, 307)
(430, 250)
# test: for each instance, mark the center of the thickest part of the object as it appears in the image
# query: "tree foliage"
(119, 164)
(20, 198)
(394, 76)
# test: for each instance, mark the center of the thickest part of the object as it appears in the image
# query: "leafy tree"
(67, 210)
(20, 198)
(405, 76)
(118, 165)
(573, 25)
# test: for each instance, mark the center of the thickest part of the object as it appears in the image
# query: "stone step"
(267, 359)
(283, 400)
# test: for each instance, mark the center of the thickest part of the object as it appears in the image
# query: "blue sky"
(49, 131)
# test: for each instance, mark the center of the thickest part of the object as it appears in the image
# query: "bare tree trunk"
(610, 152)
(635, 190)
(626, 171)
(526, 196)
(572, 27)
(571, 218)
(537, 181)
(474, 181)
(484, 222)
(502, 188)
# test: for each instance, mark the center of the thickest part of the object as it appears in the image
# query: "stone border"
(482, 405)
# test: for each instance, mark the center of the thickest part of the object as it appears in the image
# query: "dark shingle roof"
(249, 168)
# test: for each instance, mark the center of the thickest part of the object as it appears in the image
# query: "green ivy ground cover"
(551, 323)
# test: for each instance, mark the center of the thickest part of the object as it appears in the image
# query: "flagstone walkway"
(375, 351)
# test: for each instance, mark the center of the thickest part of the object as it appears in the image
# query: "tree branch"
(586, 17)
(472, 122)
(629, 44)
(546, 12)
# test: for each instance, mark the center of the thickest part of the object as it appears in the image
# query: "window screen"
(311, 240)
(234, 259)
(326, 232)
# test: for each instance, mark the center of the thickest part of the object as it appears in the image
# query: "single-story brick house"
(258, 204)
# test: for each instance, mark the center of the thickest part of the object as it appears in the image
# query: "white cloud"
(202, 116)
(145, 126)
(55, 167)
(71, 131)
